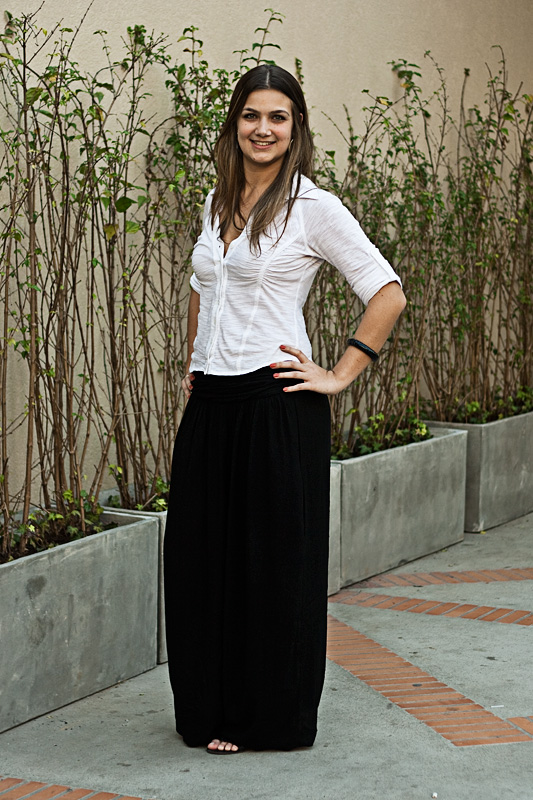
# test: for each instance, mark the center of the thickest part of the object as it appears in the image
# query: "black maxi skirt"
(246, 556)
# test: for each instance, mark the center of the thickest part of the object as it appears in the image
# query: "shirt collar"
(308, 190)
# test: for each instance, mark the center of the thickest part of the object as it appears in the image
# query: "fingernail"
(282, 347)
(272, 365)
(275, 375)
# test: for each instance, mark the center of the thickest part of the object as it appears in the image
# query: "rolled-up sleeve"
(336, 236)
(195, 283)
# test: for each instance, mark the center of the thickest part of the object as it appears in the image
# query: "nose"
(263, 126)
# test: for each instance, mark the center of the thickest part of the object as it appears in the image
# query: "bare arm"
(381, 313)
(192, 327)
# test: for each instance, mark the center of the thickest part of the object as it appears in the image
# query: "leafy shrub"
(100, 206)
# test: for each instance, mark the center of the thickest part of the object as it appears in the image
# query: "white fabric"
(250, 304)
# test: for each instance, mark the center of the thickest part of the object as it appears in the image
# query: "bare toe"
(221, 746)
(214, 744)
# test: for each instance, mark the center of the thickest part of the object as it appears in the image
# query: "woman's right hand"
(186, 384)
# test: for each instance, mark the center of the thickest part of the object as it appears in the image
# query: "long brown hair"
(298, 159)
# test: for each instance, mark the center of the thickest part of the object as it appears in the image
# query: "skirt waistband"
(231, 388)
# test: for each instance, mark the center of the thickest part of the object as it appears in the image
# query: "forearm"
(376, 324)
(381, 313)
(192, 325)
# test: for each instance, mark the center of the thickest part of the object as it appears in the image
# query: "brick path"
(435, 607)
(434, 578)
(449, 713)
(16, 789)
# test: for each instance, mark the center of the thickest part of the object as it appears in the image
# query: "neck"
(259, 178)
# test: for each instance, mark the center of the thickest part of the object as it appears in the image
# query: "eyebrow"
(278, 111)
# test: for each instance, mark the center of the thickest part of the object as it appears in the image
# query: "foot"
(221, 746)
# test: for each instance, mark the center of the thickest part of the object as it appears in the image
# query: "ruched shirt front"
(251, 303)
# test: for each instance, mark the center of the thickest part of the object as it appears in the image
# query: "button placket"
(220, 297)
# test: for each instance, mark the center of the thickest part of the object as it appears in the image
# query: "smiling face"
(264, 128)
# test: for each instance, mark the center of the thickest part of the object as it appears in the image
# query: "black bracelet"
(364, 348)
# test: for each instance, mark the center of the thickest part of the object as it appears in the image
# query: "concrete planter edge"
(499, 473)
(401, 504)
(160, 517)
(77, 619)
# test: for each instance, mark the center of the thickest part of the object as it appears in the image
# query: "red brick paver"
(514, 617)
(354, 595)
(449, 713)
(526, 723)
(461, 576)
(22, 790)
(526, 620)
(18, 789)
(7, 783)
(417, 605)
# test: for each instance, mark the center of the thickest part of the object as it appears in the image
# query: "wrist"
(339, 380)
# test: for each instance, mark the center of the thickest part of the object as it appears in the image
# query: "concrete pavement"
(371, 743)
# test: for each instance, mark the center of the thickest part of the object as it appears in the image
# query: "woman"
(246, 544)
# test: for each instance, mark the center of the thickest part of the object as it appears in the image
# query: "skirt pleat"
(246, 555)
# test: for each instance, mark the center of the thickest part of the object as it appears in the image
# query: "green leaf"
(110, 231)
(32, 95)
(123, 203)
(132, 227)
(258, 45)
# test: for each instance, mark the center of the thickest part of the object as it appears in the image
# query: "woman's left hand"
(315, 378)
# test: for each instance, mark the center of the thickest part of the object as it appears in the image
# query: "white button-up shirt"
(251, 303)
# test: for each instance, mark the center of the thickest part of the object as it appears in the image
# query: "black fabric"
(246, 553)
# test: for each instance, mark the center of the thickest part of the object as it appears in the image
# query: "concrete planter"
(499, 472)
(401, 504)
(77, 619)
(160, 517)
(335, 485)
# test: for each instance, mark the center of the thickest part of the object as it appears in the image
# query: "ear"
(301, 118)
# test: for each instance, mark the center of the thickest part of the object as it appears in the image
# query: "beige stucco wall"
(344, 44)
